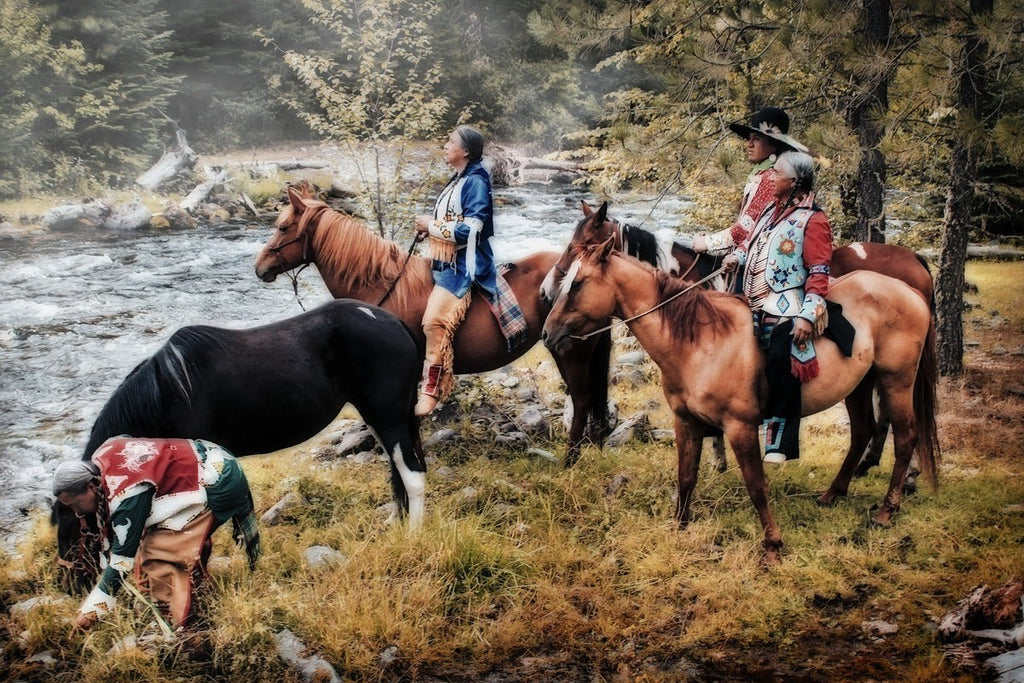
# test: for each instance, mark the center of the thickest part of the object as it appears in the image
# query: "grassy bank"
(527, 571)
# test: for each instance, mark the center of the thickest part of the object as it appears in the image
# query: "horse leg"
(689, 434)
(573, 365)
(904, 441)
(718, 454)
(861, 409)
(597, 383)
(401, 442)
(860, 405)
(747, 448)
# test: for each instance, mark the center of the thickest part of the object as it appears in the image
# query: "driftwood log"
(174, 161)
(508, 168)
(214, 176)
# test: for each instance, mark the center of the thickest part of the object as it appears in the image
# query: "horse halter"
(303, 237)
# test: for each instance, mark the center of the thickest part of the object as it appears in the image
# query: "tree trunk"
(867, 117)
(969, 97)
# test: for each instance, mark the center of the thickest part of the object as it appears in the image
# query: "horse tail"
(925, 406)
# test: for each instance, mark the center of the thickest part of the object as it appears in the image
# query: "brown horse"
(355, 263)
(868, 433)
(712, 370)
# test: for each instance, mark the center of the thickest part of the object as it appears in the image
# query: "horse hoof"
(882, 519)
(771, 558)
(827, 500)
(909, 487)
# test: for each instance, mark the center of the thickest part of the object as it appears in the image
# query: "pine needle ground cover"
(525, 570)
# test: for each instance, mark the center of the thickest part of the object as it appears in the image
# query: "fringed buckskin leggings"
(443, 315)
(170, 565)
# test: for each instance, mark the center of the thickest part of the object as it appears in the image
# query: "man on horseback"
(787, 258)
(460, 231)
(767, 137)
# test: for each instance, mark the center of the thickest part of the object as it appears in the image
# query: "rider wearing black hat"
(767, 136)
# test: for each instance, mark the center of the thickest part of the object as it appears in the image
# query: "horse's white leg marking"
(368, 312)
(415, 488)
(858, 249)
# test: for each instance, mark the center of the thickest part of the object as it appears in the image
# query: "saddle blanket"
(507, 312)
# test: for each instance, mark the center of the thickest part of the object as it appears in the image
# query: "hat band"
(765, 127)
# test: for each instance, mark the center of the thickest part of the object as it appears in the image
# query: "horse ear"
(587, 210)
(295, 199)
(602, 213)
(606, 248)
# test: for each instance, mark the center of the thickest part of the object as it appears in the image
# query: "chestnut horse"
(713, 375)
(355, 263)
(867, 433)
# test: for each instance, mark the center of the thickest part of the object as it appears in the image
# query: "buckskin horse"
(356, 263)
(261, 389)
(712, 370)
(868, 433)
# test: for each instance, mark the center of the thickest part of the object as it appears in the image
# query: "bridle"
(291, 273)
(652, 309)
(303, 237)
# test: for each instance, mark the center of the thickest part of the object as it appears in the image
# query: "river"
(81, 309)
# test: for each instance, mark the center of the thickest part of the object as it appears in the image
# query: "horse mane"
(140, 406)
(640, 243)
(361, 259)
(688, 312)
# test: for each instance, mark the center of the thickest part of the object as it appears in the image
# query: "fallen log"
(173, 162)
(203, 190)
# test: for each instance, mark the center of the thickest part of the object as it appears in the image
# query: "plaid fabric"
(506, 310)
(246, 532)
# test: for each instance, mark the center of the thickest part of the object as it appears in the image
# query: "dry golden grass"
(527, 571)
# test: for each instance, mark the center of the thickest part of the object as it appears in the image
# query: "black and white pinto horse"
(261, 389)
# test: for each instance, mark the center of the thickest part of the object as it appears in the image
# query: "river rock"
(128, 217)
(320, 556)
(357, 437)
(439, 437)
(631, 358)
(75, 216)
(532, 420)
(20, 609)
(312, 668)
(291, 500)
(631, 428)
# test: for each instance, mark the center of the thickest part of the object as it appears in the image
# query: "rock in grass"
(318, 556)
(542, 454)
(22, 608)
(291, 500)
(310, 667)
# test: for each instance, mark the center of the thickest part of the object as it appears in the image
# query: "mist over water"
(81, 309)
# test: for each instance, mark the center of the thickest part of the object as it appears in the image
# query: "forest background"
(916, 94)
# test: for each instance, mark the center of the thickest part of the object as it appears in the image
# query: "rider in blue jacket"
(460, 230)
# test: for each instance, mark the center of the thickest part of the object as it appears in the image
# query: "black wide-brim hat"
(773, 123)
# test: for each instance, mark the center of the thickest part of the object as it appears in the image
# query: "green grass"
(539, 572)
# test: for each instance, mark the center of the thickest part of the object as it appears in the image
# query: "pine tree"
(121, 121)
